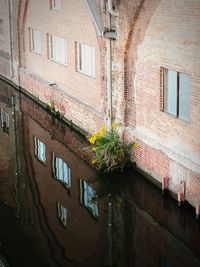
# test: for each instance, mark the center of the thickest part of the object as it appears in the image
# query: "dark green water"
(49, 215)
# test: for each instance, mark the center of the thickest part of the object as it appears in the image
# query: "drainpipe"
(109, 70)
(110, 35)
(11, 45)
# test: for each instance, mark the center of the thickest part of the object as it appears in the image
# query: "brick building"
(57, 55)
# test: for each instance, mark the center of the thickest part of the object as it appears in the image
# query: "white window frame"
(57, 49)
(61, 171)
(56, 4)
(35, 41)
(88, 198)
(4, 118)
(86, 59)
(40, 150)
(176, 93)
(62, 214)
(1, 29)
(5, 123)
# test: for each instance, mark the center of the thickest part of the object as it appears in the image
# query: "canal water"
(56, 210)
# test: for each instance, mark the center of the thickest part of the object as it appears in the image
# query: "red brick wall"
(166, 36)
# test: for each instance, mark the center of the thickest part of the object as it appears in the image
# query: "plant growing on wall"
(111, 153)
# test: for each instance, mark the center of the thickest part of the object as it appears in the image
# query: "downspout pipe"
(109, 34)
(10, 37)
(109, 71)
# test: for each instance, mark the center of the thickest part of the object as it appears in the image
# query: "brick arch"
(21, 26)
(138, 26)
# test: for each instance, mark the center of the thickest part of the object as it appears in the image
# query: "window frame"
(51, 49)
(62, 214)
(32, 43)
(54, 171)
(94, 210)
(2, 29)
(55, 5)
(36, 150)
(80, 56)
(178, 92)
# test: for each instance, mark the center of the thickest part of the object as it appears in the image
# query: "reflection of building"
(7, 142)
(155, 94)
(50, 194)
(153, 231)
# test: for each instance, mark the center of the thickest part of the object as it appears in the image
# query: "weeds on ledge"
(51, 107)
(111, 153)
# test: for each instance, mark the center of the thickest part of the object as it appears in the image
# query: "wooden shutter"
(184, 96)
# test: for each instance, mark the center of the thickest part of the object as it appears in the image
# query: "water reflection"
(50, 212)
(40, 175)
(147, 229)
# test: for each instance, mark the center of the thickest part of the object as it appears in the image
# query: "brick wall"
(169, 147)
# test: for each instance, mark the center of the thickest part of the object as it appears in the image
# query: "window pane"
(184, 96)
(170, 91)
(58, 49)
(86, 59)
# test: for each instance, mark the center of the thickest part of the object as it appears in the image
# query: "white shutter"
(184, 96)
(170, 91)
(2, 117)
(36, 41)
(86, 62)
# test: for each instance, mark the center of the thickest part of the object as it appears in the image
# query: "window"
(58, 49)
(62, 214)
(36, 41)
(61, 171)
(40, 150)
(4, 121)
(56, 4)
(86, 59)
(1, 29)
(88, 198)
(177, 93)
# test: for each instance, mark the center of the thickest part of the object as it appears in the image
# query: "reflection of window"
(177, 93)
(40, 150)
(88, 198)
(56, 4)
(86, 59)
(58, 49)
(62, 214)
(4, 120)
(1, 29)
(36, 41)
(61, 171)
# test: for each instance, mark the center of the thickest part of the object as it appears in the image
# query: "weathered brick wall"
(74, 109)
(169, 146)
(86, 90)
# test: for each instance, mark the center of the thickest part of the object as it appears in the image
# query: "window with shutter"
(55, 4)
(1, 30)
(62, 214)
(88, 198)
(58, 49)
(176, 93)
(40, 150)
(86, 59)
(61, 171)
(36, 41)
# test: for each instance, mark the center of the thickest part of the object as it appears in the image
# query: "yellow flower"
(115, 125)
(94, 149)
(94, 161)
(136, 145)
